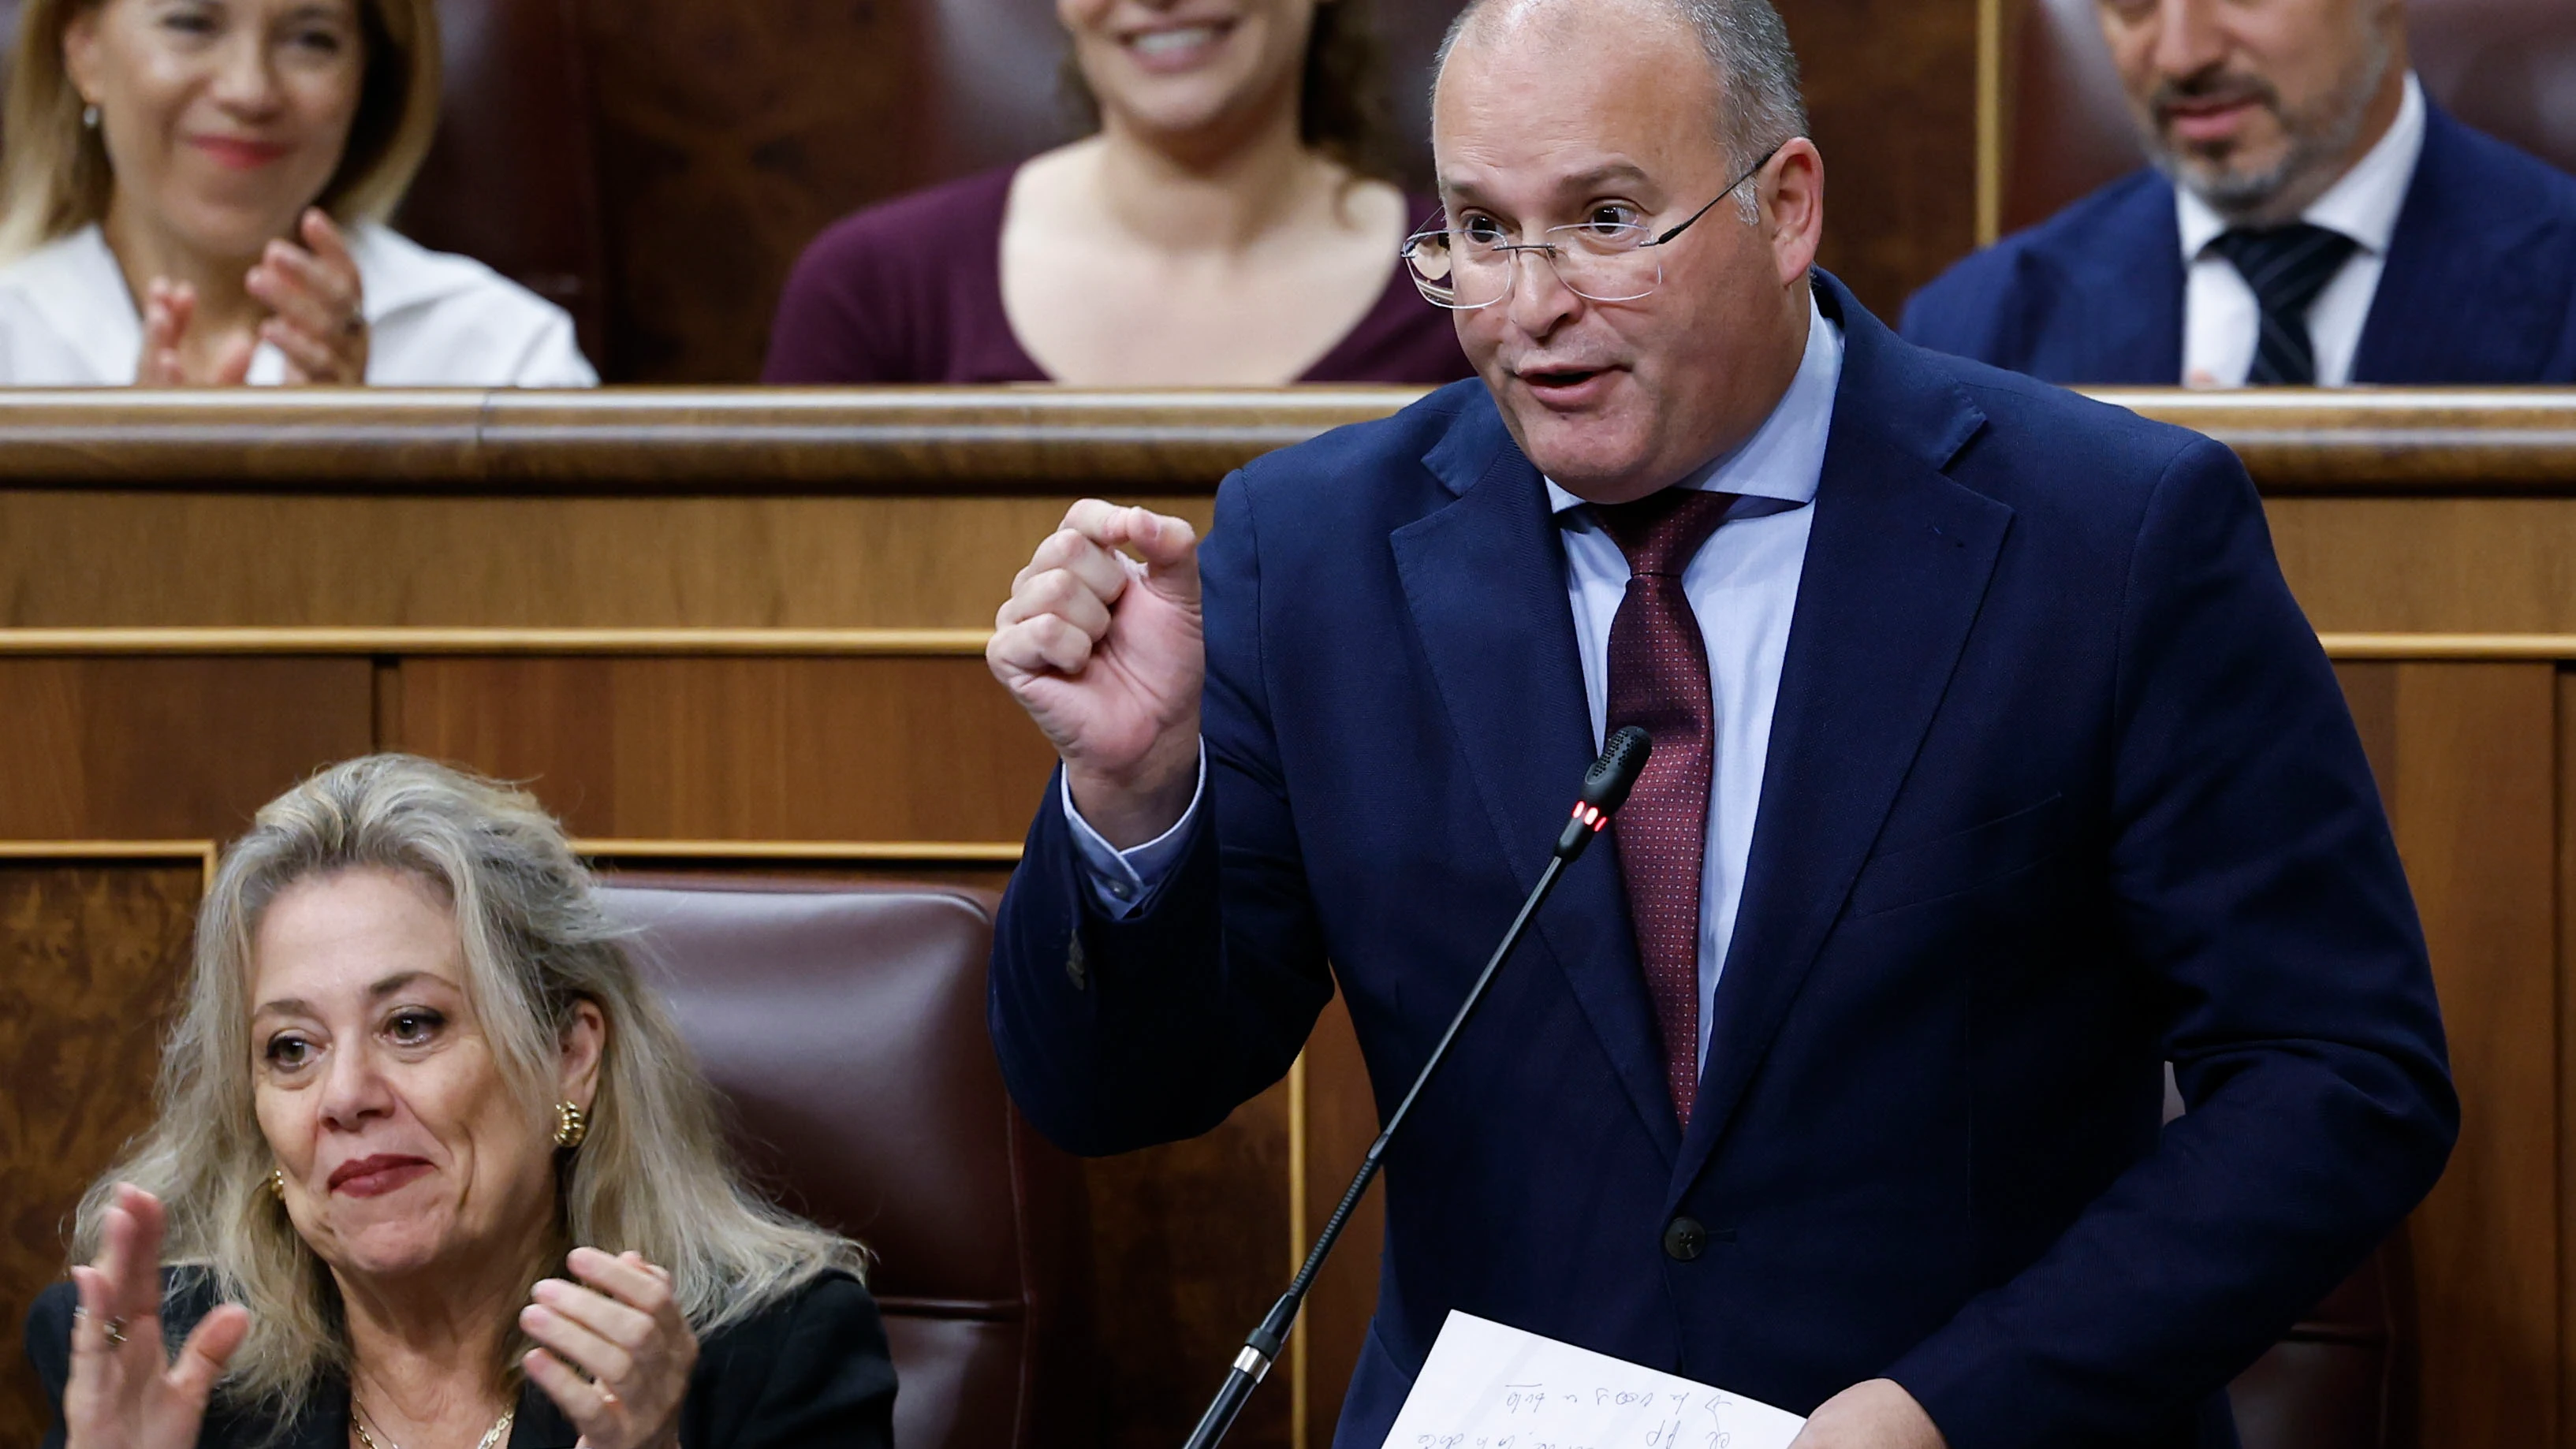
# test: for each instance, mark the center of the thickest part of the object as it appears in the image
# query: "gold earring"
(277, 1183)
(571, 1125)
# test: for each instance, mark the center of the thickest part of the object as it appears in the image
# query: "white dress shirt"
(2220, 315)
(1742, 586)
(434, 319)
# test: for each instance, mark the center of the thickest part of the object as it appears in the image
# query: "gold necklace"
(358, 1417)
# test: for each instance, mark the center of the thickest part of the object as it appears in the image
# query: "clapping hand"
(125, 1391)
(169, 309)
(320, 322)
(1107, 653)
(617, 1353)
(317, 317)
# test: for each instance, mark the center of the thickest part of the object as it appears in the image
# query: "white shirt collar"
(2364, 202)
(1784, 460)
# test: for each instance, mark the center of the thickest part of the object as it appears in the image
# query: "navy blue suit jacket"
(2060, 787)
(2479, 286)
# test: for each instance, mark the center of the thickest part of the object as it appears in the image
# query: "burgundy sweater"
(911, 291)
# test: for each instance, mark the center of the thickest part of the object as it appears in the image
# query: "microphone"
(1605, 789)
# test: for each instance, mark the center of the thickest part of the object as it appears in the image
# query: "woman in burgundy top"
(1221, 228)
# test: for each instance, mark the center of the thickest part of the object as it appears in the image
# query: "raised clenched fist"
(1102, 643)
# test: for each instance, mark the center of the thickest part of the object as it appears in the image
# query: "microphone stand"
(1605, 788)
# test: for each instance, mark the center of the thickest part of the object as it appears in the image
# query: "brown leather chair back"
(2507, 67)
(845, 1026)
(511, 180)
(2343, 1377)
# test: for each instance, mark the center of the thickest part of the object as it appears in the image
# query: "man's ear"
(1793, 206)
(578, 1053)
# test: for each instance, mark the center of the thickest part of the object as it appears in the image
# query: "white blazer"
(433, 320)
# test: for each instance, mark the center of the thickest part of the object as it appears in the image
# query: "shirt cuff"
(1124, 883)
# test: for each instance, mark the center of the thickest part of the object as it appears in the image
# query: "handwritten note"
(1486, 1386)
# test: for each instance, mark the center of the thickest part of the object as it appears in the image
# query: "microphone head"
(1606, 784)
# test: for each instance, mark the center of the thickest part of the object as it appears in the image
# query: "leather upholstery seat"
(845, 1025)
(2341, 1379)
(2507, 67)
(513, 179)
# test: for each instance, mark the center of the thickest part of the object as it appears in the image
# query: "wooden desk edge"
(395, 642)
(1050, 442)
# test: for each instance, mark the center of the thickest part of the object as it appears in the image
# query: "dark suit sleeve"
(1120, 1035)
(822, 1378)
(1961, 311)
(49, 1350)
(2259, 896)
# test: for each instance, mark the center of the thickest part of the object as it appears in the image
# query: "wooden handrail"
(1024, 440)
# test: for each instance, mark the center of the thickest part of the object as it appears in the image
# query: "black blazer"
(811, 1371)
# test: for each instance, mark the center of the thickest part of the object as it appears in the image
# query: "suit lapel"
(1897, 565)
(1484, 579)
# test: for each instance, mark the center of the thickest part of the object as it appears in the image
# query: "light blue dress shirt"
(1742, 585)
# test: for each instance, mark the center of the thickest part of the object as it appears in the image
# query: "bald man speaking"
(1994, 768)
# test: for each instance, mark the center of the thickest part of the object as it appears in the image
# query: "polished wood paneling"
(2395, 511)
(91, 953)
(2565, 1022)
(1341, 1120)
(610, 865)
(946, 441)
(159, 749)
(1891, 102)
(240, 559)
(1190, 1244)
(728, 136)
(745, 749)
(2472, 790)
(2441, 565)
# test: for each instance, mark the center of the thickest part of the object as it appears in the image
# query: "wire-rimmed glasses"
(1470, 267)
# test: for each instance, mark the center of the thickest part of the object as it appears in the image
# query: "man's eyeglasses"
(1473, 266)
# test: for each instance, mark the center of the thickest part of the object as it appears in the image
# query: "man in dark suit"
(1994, 767)
(2331, 225)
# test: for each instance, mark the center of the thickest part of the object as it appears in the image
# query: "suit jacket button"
(1684, 1239)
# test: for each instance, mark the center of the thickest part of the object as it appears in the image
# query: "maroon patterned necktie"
(1659, 679)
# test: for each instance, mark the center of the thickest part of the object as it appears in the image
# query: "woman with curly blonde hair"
(433, 1170)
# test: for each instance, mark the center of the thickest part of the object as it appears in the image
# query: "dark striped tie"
(2287, 266)
(1659, 679)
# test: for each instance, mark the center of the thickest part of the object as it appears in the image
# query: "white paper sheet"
(1487, 1386)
